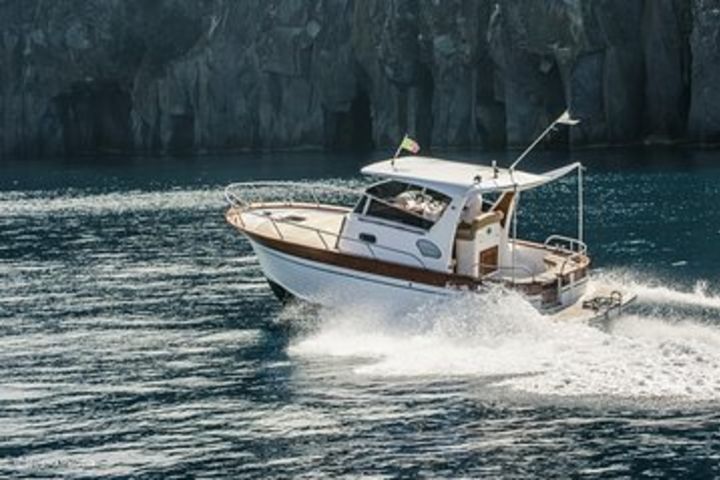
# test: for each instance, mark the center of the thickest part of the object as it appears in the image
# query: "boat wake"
(668, 346)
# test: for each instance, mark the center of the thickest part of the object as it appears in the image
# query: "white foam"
(69, 202)
(652, 290)
(74, 202)
(502, 338)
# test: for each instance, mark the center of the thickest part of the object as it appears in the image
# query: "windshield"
(405, 203)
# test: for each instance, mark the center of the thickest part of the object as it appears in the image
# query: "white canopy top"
(455, 178)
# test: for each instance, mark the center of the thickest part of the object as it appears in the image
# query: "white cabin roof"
(456, 178)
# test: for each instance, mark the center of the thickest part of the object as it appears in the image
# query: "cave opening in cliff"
(182, 134)
(361, 114)
(555, 102)
(352, 130)
(95, 118)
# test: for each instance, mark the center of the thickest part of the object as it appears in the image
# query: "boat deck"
(307, 225)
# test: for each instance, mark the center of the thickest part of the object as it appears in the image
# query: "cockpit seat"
(420, 204)
(468, 231)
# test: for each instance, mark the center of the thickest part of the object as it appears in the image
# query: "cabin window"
(489, 200)
(360, 207)
(407, 204)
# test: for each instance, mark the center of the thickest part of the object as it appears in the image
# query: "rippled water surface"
(138, 337)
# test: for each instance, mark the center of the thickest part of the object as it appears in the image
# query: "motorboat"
(424, 228)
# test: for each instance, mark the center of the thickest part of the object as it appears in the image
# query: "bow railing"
(249, 198)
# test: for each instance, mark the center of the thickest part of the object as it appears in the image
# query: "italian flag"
(410, 145)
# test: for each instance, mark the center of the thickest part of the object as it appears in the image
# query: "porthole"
(428, 248)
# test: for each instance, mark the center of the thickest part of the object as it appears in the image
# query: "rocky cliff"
(193, 76)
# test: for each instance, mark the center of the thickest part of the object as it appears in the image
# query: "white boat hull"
(329, 285)
(333, 286)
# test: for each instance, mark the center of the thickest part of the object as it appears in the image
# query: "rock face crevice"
(186, 77)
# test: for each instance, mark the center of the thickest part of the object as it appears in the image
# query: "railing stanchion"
(272, 220)
(315, 197)
(319, 233)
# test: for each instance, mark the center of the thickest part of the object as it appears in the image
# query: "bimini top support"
(563, 119)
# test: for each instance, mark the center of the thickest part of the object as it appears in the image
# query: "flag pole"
(397, 152)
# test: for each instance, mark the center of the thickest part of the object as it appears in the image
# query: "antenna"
(564, 119)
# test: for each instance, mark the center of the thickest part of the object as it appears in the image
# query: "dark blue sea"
(138, 338)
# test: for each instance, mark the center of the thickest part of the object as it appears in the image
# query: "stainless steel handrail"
(320, 232)
(238, 202)
(574, 250)
(570, 258)
(576, 246)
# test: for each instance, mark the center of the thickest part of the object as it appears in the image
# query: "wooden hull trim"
(363, 264)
